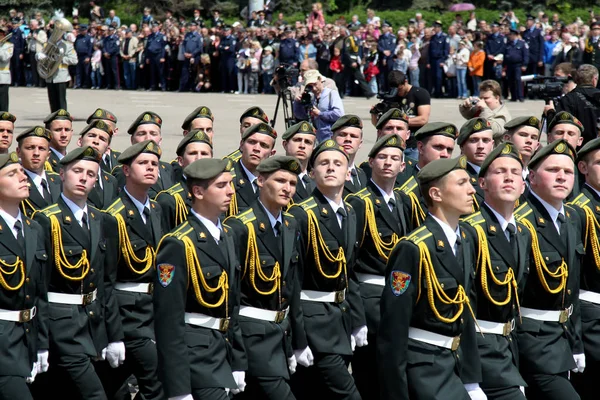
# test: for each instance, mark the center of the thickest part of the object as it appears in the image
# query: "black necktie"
(84, 221)
(392, 204)
(355, 179)
(562, 225)
(512, 238)
(147, 215)
(343, 214)
(306, 181)
(45, 191)
(278, 229)
(20, 236)
(458, 246)
(223, 246)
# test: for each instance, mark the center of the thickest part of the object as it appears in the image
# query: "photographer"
(413, 101)
(321, 105)
(488, 105)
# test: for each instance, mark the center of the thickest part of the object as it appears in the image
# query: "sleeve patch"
(399, 282)
(165, 274)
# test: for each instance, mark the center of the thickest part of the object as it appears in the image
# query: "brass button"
(283, 283)
(510, 339)
(462, 320)
(27, 330)
(569, 291)
(27, 280)
(91, 284)
(70, 251)
(91, 313)
(344, 309)
(208, 274)
(27, 297)
(227, 339)
(264, 262)
(92, 270)
(442, 285)
(547, 258)
(497, 268)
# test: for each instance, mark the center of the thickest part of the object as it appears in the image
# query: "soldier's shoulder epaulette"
(116, 207)
(288, 215)
(52, 174)
(116, 168)
(246, 216)
(580, 201)
(307, 204)
(173, 162)
(364, 164)
(181, 231)
(362, 194)
(523, 211)
(419, 234)
(409, 186)
(233, 156)
(53, 209)
(474, 219)
(173, 190)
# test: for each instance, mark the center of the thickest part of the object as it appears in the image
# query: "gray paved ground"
(30, 105)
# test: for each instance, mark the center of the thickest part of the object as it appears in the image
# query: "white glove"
(42, 361)
(580, 361)
(115, 354)
(360, 336)
(292, 364)
(522, 389)
(40, 56)
(182, 397)
(304, 357)
(239, 378)
(352, 342)
(475, 392)
(61, 51)
(34, 372)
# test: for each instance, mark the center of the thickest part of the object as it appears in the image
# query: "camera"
(388, 101)
(286, 75)
(546, 87)
(474, 102)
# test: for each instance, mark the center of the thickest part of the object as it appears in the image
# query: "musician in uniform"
(591, 54)
(299, 141)
(98, 135)
(6, 53)
(476, 141)
(139, 231)
(568, 127)
(381, 222)
(266, 239)
(426, 345)
(109, 159)
(334, 321)
(33, 146)
(257, 144)
(252, 116)
(549, 336)
(177, 200)
(501, 271)
(84, 320)
(197, 294)
(7, 129)
(200, 118)
(23, 295)
(147, 126)
(60, 125)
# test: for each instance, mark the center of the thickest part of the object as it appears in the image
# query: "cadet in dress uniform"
(7, 128)
(60, 125)
(435, 140)
(109, 159)
(299, 141)
(6, 53)
(197, 295)
(44, 186)
(503, 247)
(177, 200)
(426, 345)
(381, 222)
(84, 320)
(199, 119)
(566, 126)
(139, 231)
(147, 126)
(266, 239)
(23, 294)
(347, 132)
(257, 144)
(476, 142)
(252, 116)
(98, 135)
(334, 320)
(57, 83)
(549, 336)
(587, 203)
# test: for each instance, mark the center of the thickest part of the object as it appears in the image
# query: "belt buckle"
(455, 343)
(224, 324)
(339, 296)
(279, 317)
(150, 288)
(564, 316)
(508, 328)
(24, 315)
(87, 298)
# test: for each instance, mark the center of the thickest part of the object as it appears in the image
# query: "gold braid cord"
(317, 243)
(60, 259)
(591, 234)
(181, 211)
(384, 249)
(16, 266)
(418, 215)
(252, 265)
(485, 267)
(127, 250)
(233, 206)
(561, 271)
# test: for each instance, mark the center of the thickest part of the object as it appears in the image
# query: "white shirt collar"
(476, 167)
(58, 153)
(386, 196)
(250, 175)
(272, 219)
(37, 179)
(503, 223)
(525, 173)
(597, 192)
(10, 220)
(553, 212)
(335, 207)
(451, 234)
(99, 180)
(300, 176)
(214, 230)
(140, 207)
(77, 212)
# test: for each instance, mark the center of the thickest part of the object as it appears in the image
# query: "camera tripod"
(285, 99)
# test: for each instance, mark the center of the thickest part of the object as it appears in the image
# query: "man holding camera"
(321, 105)
(488, 105)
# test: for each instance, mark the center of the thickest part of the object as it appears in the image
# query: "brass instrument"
(5, 38)
(48, 65)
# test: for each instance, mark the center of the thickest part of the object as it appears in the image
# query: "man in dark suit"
(549, 337)
(139, 223)
(347, 132)
(60, 125)
(197, 294)
(257, 144)
(501, 272)
(147, 126)
(176, 201)
(476, 141)
(84, 318)
(299, 141)
(381, 222)
(23, 296)
(266, 239)
(587, 203)
(98, 135)
(429, 350)
(334, 320)
(109, 158)
(44, 186)
(252, 116)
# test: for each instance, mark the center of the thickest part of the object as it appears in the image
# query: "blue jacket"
(84, 46)
(535, 41)
(155, 46)
(495, 44)
(548, 49)
(192, 43)
(331, 107)
(516, 53)
(439, 47)
(111, 45)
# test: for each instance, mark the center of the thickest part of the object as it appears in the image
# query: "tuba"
(47, 66)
